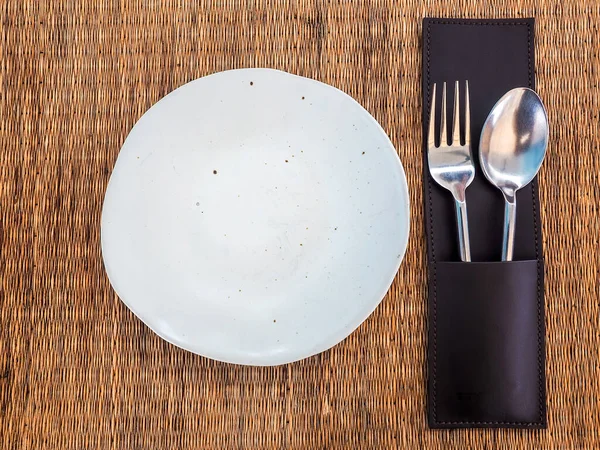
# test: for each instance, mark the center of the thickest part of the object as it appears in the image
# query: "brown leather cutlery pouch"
(486, 355)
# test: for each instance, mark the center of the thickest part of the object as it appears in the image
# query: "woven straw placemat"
(79, 371)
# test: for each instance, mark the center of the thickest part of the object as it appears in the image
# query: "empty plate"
(255, 217)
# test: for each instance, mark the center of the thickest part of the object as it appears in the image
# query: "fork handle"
(462, 222)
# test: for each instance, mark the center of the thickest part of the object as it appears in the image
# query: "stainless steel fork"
(451, 166)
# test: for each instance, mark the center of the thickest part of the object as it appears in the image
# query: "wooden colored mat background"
(79, 371)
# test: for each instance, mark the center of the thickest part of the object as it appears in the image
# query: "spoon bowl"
(512, 147)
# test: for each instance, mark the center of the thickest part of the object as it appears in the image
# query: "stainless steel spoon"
(511, 150)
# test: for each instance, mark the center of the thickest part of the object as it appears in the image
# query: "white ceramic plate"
(255, 217)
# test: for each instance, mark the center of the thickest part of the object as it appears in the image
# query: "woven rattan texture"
(79, 371)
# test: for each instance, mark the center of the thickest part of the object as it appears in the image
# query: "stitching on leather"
(540, 374)
(537, 255)
(530, 70)
(452, 22)
(429, 99)
(529, 424)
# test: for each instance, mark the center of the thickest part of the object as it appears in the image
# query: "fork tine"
(431, 134)
(443, 127)
(456, 124)
(467, 116)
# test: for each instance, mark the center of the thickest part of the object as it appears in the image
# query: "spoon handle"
(508, 240)
(463, 230)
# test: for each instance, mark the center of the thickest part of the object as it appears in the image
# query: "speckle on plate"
(215, 172)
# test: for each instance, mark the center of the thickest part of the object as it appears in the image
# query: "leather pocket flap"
(486, 366)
